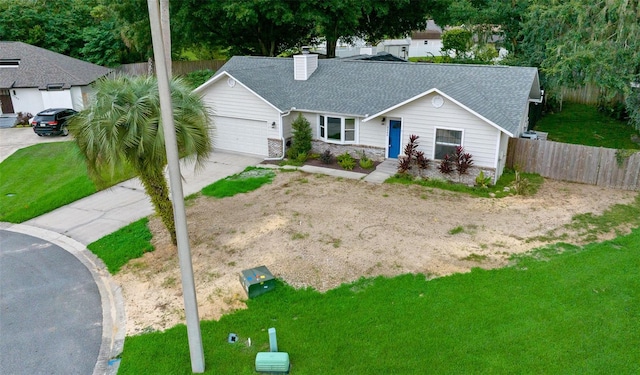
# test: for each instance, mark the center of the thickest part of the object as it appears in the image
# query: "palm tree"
(122, 127)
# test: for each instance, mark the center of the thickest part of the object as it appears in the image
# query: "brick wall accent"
(275, 147)
(373, 153)
(468, 178)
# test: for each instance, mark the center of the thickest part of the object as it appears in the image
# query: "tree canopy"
(573, 42)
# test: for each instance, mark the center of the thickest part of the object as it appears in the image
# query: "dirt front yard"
(317, 231)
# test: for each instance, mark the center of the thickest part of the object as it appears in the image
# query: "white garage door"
(240, 135)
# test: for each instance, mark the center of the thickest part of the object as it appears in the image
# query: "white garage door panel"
(240, 135)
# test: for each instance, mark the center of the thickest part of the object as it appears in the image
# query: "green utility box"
(257, 281)
(272, 362)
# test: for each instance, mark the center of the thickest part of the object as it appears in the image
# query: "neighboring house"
(371, 106)
(396, 47)
(33, 79)
(427, 42)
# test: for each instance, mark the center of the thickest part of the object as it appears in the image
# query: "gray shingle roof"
(39, 67)
(364, 88)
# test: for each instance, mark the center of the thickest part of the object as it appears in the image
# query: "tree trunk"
(331, 47)
(155, 184)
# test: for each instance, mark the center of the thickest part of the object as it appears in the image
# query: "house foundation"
(373, 153)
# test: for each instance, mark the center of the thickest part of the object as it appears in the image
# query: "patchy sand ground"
(319, 231)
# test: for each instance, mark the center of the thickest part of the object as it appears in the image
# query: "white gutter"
(538, 101)
(282, 134)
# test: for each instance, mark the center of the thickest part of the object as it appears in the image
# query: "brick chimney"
(304, 65)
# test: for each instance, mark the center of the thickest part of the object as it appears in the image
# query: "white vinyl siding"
(420, 117)
(374, 133)
(238, 112)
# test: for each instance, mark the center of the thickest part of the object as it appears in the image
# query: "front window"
(337, 129)
(334, 128)
(446, 142)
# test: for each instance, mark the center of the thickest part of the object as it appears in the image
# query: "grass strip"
(503, 188)
(127, 243)
(40, 178)
(562, 309)
(248, 180)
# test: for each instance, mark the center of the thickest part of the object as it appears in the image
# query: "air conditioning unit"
(530, 134)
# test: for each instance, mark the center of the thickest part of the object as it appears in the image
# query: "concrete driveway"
(13, 139)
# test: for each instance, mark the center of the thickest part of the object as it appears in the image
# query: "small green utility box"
(257, 281)
(272, 362)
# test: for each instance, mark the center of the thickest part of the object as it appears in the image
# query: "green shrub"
(522, 185)
(302, 136)
(482, 180)
(302, 157)
(366, 163)
(346, 161)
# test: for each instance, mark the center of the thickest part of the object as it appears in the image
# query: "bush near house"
(302, 135)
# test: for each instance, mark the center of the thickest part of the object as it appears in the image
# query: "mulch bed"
(334, 165)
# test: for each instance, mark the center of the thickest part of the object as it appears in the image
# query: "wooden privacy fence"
(575, 163)
(587, 94)
(177, 67)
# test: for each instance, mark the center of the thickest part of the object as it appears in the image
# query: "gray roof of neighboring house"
(39, 67)
(365, 88)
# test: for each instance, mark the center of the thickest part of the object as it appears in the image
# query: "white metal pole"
(182, 236)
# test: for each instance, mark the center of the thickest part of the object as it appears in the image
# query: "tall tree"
(383, 19)
(484, 18)
(334, 20)
(576, 44)
(122, 126)
(260, 27)
(457, 40)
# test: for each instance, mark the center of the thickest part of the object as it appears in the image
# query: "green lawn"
(40, 178)
(119, 247)
(563, 309)
(248, 180)
(584, 125)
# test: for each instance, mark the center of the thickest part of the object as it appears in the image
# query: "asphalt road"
(50, 309)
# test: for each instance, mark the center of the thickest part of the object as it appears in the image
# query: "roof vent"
(9, 63)
(55, 86)
(304, 65)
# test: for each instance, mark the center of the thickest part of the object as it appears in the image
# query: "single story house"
(33, 79)
(371, 106)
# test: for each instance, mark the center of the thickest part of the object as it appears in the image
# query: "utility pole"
(184, 253)
(165, 26)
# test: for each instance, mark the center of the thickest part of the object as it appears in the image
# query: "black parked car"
(52, 121)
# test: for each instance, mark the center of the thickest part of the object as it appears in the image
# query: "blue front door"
(395, 127)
